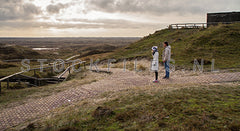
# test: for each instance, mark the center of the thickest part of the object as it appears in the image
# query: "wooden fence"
(188, 26)
(33, 81)
(197, 25)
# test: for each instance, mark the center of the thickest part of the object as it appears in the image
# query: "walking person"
(166, 59)
(155, 62)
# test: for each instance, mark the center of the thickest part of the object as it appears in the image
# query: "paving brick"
(119, 80)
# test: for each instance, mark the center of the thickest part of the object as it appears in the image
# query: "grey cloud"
(21, 14)
(138, 6)
(16, 9)
(55, 9)
(160, 7)
(101, 23)
(108, 23)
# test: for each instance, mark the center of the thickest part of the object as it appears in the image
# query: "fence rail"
(68, 70)
(11, 78)
(197, 25)
(188, 26)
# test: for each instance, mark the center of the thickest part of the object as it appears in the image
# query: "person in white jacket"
(155, 62)
(166, 59)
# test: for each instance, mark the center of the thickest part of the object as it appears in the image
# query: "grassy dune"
(221, 43)
(17, 52)
(12, 97)
(201, 107)
(194, 107)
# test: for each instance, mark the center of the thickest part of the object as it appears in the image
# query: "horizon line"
(77, 37)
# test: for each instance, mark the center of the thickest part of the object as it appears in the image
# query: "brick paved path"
(119, 80)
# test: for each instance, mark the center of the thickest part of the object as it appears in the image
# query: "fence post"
(8, 83)
(35, 82)
(135, 65)
(51, 70)
(124, 64)
(34, 73)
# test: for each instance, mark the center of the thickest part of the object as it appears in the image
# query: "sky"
(102, 18)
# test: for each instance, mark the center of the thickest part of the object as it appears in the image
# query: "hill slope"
(221, 43)
(17, 52)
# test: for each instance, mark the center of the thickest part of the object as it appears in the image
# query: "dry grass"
(13, 97)
(198, 107)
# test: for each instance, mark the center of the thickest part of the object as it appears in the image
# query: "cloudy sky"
(104, 18)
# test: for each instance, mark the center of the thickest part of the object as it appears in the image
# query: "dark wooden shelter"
(223, 17)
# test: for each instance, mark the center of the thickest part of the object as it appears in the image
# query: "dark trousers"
(156, 75)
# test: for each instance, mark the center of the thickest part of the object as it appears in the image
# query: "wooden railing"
(197, 25)
(68, 69)
(188, 26)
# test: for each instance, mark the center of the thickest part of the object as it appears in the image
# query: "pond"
(43, 49)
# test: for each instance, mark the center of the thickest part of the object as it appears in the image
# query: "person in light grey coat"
(166, 59)
(155, 62)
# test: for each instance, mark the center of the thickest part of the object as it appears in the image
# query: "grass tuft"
(195, 108)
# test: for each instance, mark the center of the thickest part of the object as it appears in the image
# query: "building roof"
(224, 13)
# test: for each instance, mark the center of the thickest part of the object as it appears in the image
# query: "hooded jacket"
(167, 54)
(155, 65)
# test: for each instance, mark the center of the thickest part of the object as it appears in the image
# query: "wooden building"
(224, 17)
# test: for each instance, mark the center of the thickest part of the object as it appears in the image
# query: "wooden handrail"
(20, 73)
(60, 76)
(196, 25)
(4, 78)
(7, 77)
(187, 23)
(70, 68)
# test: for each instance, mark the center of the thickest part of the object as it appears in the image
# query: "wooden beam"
(36, 82)
(101, 71)
(2, 79)
(68, 69)
(34, 73)
(51, 70)
(8, 83)
(28, 76)
(188, 25)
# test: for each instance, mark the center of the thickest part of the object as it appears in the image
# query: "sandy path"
(119, 80)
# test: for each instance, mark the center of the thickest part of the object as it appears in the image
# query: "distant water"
(42, 49)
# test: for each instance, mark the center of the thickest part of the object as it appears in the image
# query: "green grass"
(18, 52)
(221, 43)
(18, 96)
(194, 108)
(16, 67)
(12, 70)
(8, 71)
